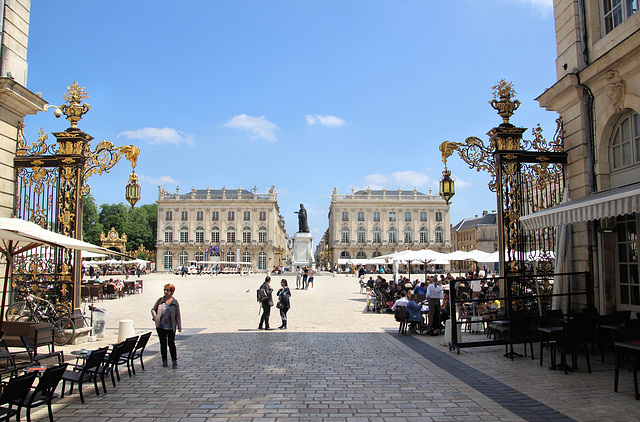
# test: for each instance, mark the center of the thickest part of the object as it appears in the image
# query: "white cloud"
(259, 127)
(330, 121)
(461, 183)
(160, 180)
(154, 135)
(410, 178)
(376, 179)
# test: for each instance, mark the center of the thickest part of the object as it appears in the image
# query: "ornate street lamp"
(447, 186)
(132, 190)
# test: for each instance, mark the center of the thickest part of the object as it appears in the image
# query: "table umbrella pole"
(7, 271)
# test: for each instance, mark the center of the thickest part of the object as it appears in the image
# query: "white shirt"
(403, 301)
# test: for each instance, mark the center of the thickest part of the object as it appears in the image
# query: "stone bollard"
(125, 329)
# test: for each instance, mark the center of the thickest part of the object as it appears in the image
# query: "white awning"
(607, 203)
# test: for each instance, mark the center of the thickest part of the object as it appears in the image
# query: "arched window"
(376, 254)
(246, 235)
(393, 235)
(424, 235)
(344, 235)
(199, 235)
(199, 256)
(262, 235)
(361, 235)
(246, 256)
(184, 258)
(168, 261)
(625, 150)
(439, 235)
(168, 235)
(377, 235)
(184, 234)
(345, 255)
(408, 235)
(262, 261)
(361, 255)
(231, 235)
(215, 235)
(231, 257)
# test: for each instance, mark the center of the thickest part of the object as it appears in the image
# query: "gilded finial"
(502, 92)
(131, 153)
(75, 109)
(446, 149)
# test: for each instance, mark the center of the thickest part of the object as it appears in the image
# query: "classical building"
(370, 223)
(597, 93)
(233, 225)
(479, 233)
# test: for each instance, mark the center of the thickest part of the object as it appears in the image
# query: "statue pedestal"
(302, 250)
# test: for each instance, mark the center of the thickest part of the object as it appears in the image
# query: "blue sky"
(303, 95)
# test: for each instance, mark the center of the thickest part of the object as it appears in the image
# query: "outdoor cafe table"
(631, 347)
(548, 334)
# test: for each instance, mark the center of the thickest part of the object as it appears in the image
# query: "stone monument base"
(302, 254)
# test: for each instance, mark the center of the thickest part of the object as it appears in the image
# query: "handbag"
(278, 305)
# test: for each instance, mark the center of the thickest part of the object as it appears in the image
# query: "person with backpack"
(284, 303)
(266, 301)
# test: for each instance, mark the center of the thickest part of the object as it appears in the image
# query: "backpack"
(401, 313)
(262, 295)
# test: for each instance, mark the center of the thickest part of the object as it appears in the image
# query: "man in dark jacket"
(266, 304)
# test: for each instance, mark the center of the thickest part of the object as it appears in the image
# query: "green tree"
(91, 227)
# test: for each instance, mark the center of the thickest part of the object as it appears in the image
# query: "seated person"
(421, 290)
(403, 301)
(445, 310)
(415, 311)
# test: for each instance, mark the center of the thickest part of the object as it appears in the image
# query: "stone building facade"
(597, 94)
(229, 225)
(369, 223)
(479, 233)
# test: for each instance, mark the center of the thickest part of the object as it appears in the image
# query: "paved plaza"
(334, 363)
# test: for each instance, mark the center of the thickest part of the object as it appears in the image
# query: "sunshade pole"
(7, 271)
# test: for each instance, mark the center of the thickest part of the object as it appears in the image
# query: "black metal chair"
(85, 373)
(520, 330)
(402, 316)
(575, 340)
(110, 365)
(138, 351)
(627, 357)
(34, 356)
(14, 394)
(125, 358)
(44, 392)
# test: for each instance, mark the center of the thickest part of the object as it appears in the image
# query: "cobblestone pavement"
(334, 363)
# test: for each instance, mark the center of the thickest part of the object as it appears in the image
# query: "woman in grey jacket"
(166, 314)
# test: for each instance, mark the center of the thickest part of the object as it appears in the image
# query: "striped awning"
(607, 203)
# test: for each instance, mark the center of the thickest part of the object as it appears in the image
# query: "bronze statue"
(303, 227)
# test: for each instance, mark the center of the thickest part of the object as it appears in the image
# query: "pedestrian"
(298, 277)
(305, 276)
(266, 303)
(435, 295)
(284, 302)
(166, 314)
(312, 272)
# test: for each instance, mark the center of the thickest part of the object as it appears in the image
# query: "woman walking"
(284, 294)
(166, 314)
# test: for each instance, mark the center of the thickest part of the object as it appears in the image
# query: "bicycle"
(36, 309)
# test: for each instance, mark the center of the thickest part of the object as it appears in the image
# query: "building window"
(199, 256)
(438, 215)
(424, 235)
(168, 215)
(361, 235)
(246, 256)
(361, 255)
(262, 216)
(231, 235)
(199, 216)
(246, 235)
(377, 235)
(408, 235)
(407, 216)
(246, 216)
(439, 235)
(262, 235)
(344, 235)
(231, 257)
(345, 216)
(423, 216)
(625, 144)
(376, 254)
(215, 235)
(392, 216)
(393, 235)
(627, 251)
(345, 255)
(168, 235)
(168, 261)
(376, 216)
(184, 258)
(184, 216)
(230, 216)
(199, 235)
(184, 235)
(215, 216)
(617, 11)
(262, 261)
(360, 215)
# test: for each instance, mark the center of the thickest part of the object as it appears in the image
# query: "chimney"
(484, 213)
